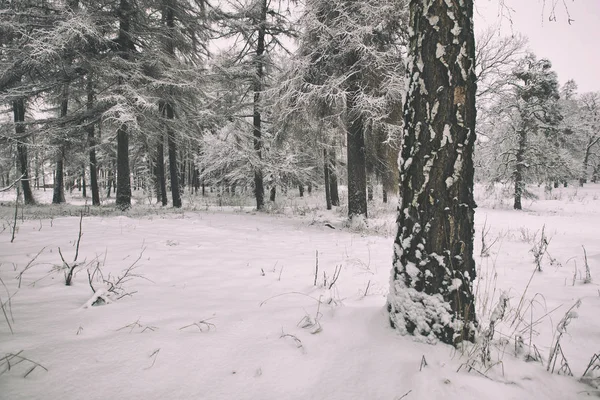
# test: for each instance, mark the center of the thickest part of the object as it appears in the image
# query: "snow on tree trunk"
(431, 294)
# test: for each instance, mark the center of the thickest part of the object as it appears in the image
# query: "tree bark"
(520, 168)
(58, 196)
(175, 191)
(327, 183)
(161, 184)
(92, 146)
(357, 177)
(259, 190)
(19, 118)
(125, 44)
(333, 181)
(431, 293)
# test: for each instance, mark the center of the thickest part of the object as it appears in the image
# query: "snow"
(225, 306)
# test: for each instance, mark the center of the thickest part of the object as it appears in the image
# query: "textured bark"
(125, 44)
(431, 294)
(357, 177)
(327, 183)
(259, 189)
(333, 181)
(519, 174)
(91, 130)
(19, 116)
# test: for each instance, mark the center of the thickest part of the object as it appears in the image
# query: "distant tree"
(347, 72)
(431, 294)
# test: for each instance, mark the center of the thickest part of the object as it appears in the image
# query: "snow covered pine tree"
(431, 293)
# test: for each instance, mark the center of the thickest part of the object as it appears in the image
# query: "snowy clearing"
(222, 305)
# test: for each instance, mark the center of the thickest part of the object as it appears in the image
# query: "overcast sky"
(573, 49)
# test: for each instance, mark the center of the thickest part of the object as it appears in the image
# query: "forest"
(169, 97)
(359, 121)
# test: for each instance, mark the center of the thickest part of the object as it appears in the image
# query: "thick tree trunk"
(333, 181)
(126, 46)
(327, 183)
(519, 176)
(273, 193)
(259, 190)
(19, 117)
(301, 190)
(357, 178)
(431, 293)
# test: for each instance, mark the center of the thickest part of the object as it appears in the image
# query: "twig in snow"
(19, 359)
(29, 265)
(154, 355)
(201, 325)
(404, 395)
(7, 305)
(588, 274)
(423, 363)
(297, 341)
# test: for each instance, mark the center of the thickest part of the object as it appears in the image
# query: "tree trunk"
(520, 168)
(327, 183)
(19, 117)
(58, 196)
(370, 188)
(357, 178)
(273, 193)
(175, 192)
(83, 182)
(333, 181)
(431, 293)
(301, 190)
(126, 46)
(92, 146)
(161, 182)
(586, 159)
(259, 190)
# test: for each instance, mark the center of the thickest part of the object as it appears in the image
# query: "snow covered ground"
(222, 304)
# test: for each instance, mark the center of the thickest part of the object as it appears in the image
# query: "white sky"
(574, 49)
